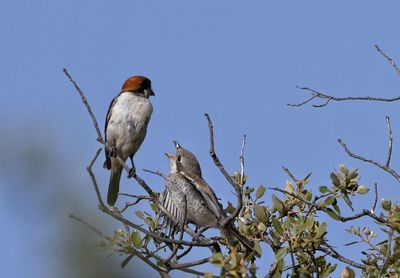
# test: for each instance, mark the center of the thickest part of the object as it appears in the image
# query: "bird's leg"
(132, 171)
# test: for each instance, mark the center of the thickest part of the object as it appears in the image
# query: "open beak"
(170, 156)
(177, 146)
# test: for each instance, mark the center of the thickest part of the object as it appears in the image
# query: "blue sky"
(238, 61)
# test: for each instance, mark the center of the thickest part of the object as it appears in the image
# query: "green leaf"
(328, 201)
(337, 209)
(332, 214)
(321, 230)
(281, 253)
(362, 189)
(217, 257)
(347, 200)
(324, 189)
(249, 190)
(230, 208)
(260, 191)
(289, 187)
(139, 214)
(309, 222)
(343, 169)
(136, 239)
(260, 213)
(277, 226)
(276, 203)
(335, 180)
(257, 248)
(154, 207)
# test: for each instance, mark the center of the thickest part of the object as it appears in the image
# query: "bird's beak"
(177, 146)
(170, 156)
(149, 92)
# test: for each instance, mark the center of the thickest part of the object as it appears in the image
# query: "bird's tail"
(233, 232)
(113, 187)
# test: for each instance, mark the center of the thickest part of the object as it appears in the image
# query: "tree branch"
(235, 185)
(85, 102)
(356, 156)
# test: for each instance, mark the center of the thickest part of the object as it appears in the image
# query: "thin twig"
(242, 160)
(157, 172)
(376, 197)
(89, 226)
(390, 144)
(334, 254)
(85, 102)
(316, 94)
(235, 185)
(383, 167)
(390, 60)
(272, 269)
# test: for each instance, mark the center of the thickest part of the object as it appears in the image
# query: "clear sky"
(238, 61)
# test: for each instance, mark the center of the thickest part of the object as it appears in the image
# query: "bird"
(189, 195)
(125, 128)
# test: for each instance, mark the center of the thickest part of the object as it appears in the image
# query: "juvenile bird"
(190, 194)
(125, 128)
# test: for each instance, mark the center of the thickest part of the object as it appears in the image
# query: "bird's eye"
(179, 158)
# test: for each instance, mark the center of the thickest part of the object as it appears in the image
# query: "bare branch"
(390, 144)
(383, 167)
(334, 254)
(327, 98)
(157, 172)
(242, 160)
(218, 163)
(89, 226)
(85, 102)
(375, 198)
(272, 269)
(390, 60)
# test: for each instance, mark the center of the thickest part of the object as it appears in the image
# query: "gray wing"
(205, 190)
(174, 202)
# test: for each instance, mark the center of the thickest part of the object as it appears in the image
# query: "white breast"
(128, 122)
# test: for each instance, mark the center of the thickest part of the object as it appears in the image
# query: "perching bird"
(189, 194)
(125, 129)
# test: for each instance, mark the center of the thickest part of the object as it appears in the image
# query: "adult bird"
(188, 194)
(125, 128)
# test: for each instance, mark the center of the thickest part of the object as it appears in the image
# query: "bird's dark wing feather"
(107, 163)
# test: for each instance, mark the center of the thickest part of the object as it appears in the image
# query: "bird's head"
(188, 160)
(175, 163)
(138, 84)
